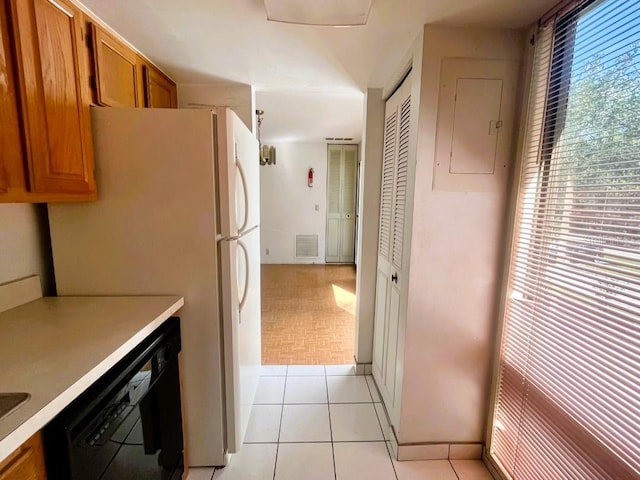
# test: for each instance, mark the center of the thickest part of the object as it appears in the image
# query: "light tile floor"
(325, 423)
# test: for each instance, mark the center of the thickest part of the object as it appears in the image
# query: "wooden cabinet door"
(115, 71)
(11, 153)
(26, 463)
(160, 92)
(53, 95)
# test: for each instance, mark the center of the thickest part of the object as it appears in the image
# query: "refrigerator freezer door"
(240, 267)
(238, 174)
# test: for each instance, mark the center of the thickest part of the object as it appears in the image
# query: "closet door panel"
(334, 180)
(395, 195)
(348, 204)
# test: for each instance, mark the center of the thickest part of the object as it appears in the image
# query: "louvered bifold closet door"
(568, 398)
(348, 205)
(386, 195)
(394, 196)
(334, 182)
(400, 204)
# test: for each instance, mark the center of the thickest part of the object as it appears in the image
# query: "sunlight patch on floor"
(345, 299)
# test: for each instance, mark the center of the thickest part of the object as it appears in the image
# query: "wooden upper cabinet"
(26, 463)
(115, 70)
(159, 90)
(54, 98)
(11, 154)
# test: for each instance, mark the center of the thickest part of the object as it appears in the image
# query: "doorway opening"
(308, 314)
(309, 294)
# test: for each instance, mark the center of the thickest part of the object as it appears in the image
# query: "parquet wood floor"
(308, 314)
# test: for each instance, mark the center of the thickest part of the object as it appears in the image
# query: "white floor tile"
(306, 390)
(425, 470)
(305, 423)
(264, 424)
(354, 422)
(270, 390)
(348, 389)
(253, 462)
(384, 423)
(373, 389)
(305, 370)
(357, 461)
(471, 470)
(340, 369)
(308, 461)
(200, 473)
(273, 370)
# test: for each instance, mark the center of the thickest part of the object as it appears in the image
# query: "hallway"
(325, 423)
(308, 314)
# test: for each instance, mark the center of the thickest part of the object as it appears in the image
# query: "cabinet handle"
(394, 278)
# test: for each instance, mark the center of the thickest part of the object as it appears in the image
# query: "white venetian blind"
(568, 399)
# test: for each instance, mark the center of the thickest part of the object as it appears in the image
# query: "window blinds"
(568, 398)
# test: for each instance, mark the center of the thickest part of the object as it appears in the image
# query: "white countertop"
(56, 347)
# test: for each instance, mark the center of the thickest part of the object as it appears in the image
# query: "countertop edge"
(37, 421)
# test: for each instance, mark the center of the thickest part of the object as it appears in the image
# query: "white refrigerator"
(178, 213)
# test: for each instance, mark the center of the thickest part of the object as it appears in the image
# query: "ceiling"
(291, 116)
(198, 41)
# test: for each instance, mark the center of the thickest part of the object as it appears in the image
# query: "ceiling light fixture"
(335, 13)
(267, 152)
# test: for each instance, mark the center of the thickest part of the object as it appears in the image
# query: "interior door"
(390, 280)
(348, 203)
(342, 167)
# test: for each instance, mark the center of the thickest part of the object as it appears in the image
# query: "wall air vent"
(306, 246)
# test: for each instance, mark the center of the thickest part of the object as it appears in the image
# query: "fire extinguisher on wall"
(310, 178)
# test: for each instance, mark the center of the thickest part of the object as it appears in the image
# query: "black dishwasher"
(128, 425)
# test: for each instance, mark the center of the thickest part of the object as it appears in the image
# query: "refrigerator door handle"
(237, 237)
(245, 194)
(245, 291)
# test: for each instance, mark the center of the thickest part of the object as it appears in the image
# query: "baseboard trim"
(437, 451)
(429, 450)
(362, 368)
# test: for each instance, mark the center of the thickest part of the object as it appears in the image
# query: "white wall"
(288, 204)
(454, 268)
(25, 248)
(368, 220)
(239, 97)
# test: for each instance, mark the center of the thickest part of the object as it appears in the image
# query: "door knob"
(394, 278)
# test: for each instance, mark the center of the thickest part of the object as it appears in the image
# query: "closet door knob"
(394, 278)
